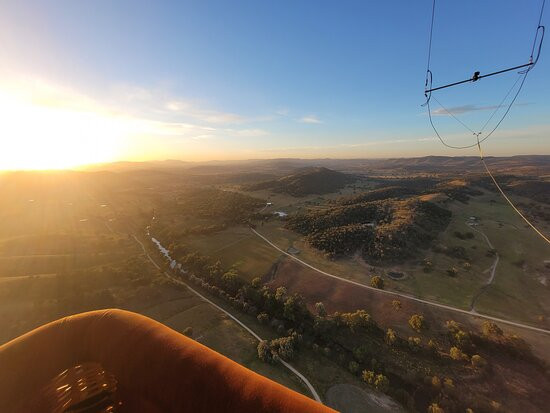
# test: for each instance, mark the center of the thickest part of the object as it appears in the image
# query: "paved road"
(493, 269)
(256, 336)
(406, 296)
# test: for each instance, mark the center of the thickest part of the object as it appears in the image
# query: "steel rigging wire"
(428, 89)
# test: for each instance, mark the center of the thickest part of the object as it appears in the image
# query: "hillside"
(306, 182)
(388, 230)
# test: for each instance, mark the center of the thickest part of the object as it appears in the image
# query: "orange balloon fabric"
(157, 369)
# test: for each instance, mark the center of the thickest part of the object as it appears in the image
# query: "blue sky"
(252, 79)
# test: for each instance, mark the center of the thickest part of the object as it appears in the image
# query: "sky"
(100, 81)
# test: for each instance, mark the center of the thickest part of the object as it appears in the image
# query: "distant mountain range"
(521, 164)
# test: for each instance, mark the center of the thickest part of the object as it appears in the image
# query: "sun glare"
(39, 134)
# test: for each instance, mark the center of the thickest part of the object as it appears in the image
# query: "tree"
(490, 329)
(353, 367)
(284, 347)
(381, 383)
(320, 308)
(231, 281)
(457, 354)
(294, 308)
(256, 282)
(416, 322)
(368, 376)
(280, 293)
(396, 304)
(391, 336)
(478, 361)
(462, 338)
(324, 327)
(428, 265)
(448, 383)
(215, 271)
(361, 352)
(188, 331)
(264, 352)
(359, 318)
(377, 282)
(434, 408)
(263, 318)
(495, 406)
(414, 343)
(432, 345)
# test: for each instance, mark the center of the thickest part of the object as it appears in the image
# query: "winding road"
(406, 296)
(248, 329)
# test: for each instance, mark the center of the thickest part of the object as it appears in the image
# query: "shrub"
(396, 304)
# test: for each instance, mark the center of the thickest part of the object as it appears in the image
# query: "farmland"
(62, 254)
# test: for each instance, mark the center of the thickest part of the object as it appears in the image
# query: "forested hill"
(305, 182)
(388, 230)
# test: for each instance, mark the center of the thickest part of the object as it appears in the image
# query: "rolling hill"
(306, 182)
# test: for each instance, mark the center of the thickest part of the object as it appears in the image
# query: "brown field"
(343, 297)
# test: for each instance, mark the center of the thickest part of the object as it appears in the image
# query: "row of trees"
(352, 339)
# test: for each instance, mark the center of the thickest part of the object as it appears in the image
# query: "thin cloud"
(210, 116)
(203, 137)
(248, 133)
(459, 110)
(310, 119)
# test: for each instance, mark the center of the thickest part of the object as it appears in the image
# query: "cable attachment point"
(475, 77)
(427, 86)
(478, 144)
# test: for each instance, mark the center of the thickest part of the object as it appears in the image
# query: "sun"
(38, 132)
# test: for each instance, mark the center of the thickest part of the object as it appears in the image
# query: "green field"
(526, 299)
